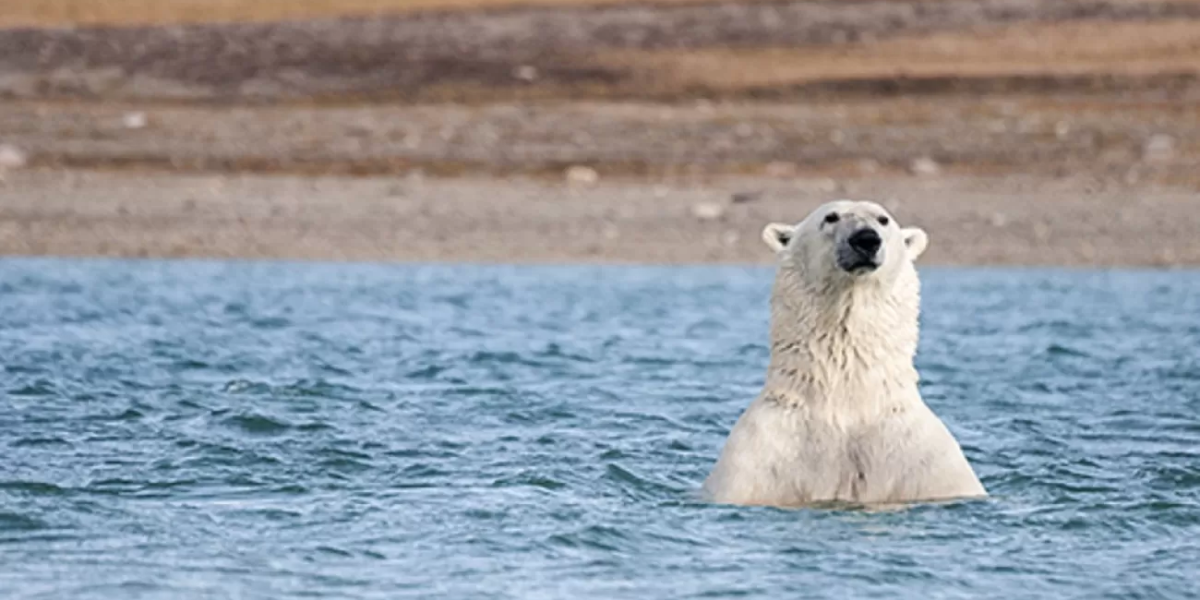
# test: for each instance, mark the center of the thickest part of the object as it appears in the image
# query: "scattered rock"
(1062, 129)
(1166, 257)
(1041, 231)
(998, 219)
(730, 238)
(581, 175)
(134, 120)
(1087, 251)
(924, 166)
(745, 197)
(527, 73)
(708, 211)
(1160, 147)
(582, 138)
(868, 166)
(12, 157)
(780, 168)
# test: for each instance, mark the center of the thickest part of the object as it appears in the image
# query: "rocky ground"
(1016, 131)
(973, 220)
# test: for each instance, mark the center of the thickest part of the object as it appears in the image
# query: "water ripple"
(209, 429)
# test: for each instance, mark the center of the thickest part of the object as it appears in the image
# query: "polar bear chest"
(789, 455)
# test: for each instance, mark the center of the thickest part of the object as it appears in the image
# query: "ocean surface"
(284, 430)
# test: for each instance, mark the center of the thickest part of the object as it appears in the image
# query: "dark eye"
(883, 220)
(832, 218)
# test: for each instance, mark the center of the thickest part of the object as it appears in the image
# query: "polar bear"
(840, 418)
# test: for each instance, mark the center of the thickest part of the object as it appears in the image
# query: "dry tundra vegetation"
(1015, 131)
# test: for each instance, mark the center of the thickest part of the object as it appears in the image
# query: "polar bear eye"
(883, 220)
(832, 218)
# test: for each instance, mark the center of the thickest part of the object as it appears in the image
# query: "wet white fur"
(840, 417)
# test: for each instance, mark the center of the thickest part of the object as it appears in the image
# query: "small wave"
(543, 415)
(39, 442)
(257, 424)
(1170, 477)
(529, 479)
(650, 361)
(242, 386)
(129, 414)
(34, 488)
(334, 551)
(10, 521)
(637, 485)
(38, 388)
(34, 369)
(503, 358)
(315, 388)
(1058, 326)
(270, 322)
(137, 488)
(269, 514)
(290, 489)
(189, 364)
(680, 446)
(484, 514)
(420, 475)
(1056, 349)
(706, 328)
(554, 350)
(344, 460)
(594, 537)
(429, 372)
(315, 426)
(420, 453)
(470, 391)
(332, 369)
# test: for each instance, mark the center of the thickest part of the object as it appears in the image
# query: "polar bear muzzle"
(860, 251)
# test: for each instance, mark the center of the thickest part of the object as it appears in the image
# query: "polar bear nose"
(865, 241)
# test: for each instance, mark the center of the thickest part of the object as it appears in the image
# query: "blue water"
(232, 430)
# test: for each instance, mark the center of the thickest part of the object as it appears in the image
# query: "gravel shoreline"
(971, 220)
(1016, 131)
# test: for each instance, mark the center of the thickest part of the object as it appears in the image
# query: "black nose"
(865, 241)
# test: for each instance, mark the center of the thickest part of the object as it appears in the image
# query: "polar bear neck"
(840, 342)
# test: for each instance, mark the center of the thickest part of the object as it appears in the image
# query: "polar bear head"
(847, 241)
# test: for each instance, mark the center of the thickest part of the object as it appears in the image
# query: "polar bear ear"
(915, 240)
(777, 236)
